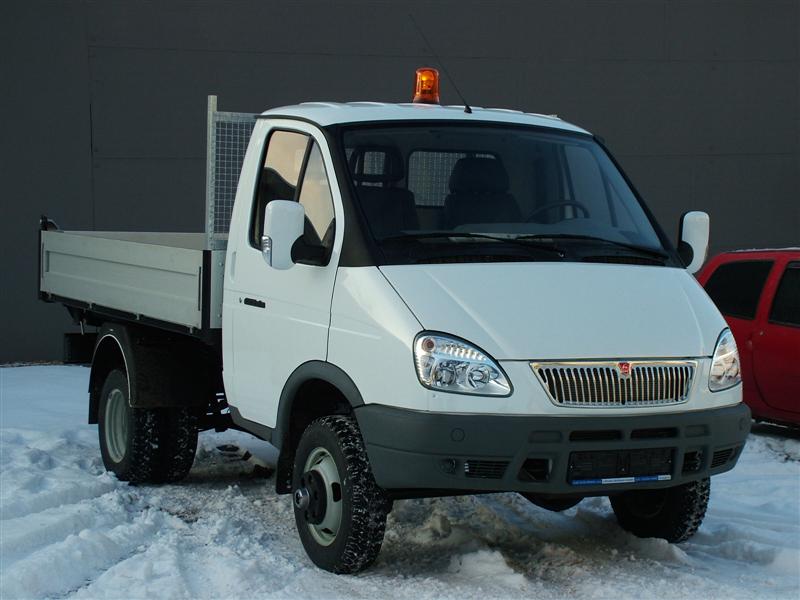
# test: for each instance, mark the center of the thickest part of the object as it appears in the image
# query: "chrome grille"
(605, 384)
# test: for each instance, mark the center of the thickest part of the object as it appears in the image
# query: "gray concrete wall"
(104, 104)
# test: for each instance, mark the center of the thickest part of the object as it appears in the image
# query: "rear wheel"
(673, 514)
(178, 444)
(339, 509)
(143, 444)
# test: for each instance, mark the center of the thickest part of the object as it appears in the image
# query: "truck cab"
(422, 300)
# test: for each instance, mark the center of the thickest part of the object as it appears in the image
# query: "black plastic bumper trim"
(415, 450)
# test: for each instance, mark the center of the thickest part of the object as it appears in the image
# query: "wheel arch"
(315, 389)
(111, 351)
(163, 370)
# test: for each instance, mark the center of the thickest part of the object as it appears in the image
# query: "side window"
(279, 176)
(315, 196)
(786, 305)
(736, 287)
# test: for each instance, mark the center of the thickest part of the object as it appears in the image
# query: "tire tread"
(678, 519)
(370, 505)
(162, 441)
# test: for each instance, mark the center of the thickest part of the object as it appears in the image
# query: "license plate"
(611, 467)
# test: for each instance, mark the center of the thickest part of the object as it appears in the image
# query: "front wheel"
(339, 509)
(673, 514)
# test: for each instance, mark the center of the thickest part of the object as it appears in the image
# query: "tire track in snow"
(69, 494)
(23, 535)
(79, 558)
(229, 551)
(45, 472)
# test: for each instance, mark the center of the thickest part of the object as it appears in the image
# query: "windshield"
(433, 191)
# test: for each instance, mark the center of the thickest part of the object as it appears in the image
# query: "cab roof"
(332, 113)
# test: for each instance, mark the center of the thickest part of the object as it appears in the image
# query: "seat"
(479, 193)
(389, 210)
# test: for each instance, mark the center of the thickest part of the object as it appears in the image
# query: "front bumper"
(418, 451)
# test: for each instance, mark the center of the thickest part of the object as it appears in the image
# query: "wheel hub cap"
(301, 498)
(116, 425)
(319, 496)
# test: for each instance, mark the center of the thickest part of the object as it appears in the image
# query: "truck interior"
(507, 181)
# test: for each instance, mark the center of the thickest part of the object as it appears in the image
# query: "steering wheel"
(541, 209)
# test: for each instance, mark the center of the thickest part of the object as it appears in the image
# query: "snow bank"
(69, 529)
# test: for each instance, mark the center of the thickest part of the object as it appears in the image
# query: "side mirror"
(283, 224)
(693, 239)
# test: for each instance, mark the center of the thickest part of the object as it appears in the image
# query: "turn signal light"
(426, 90)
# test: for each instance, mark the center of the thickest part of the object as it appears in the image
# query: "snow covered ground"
(70, 529)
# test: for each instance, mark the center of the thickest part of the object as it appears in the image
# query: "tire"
(673, 514)
(142, 445)
(178, 444)
(330, 447)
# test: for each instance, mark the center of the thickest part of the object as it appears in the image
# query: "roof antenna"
(467, 108)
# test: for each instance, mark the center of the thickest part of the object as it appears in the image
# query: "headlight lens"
(725, 367)
(451, 365)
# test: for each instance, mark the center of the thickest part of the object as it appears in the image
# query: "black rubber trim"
(314, 369)
(409, 449)
(260, 431)
(121, 337)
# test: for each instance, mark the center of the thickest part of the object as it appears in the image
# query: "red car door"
(776, 339)
(735, 283)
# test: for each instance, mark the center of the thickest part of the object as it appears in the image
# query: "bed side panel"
(156, 281)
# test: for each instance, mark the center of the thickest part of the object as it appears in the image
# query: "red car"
(758, 292)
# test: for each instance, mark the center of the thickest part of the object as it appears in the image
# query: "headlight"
(725, 369)
(448, 364)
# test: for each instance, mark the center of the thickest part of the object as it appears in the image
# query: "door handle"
(254, 302)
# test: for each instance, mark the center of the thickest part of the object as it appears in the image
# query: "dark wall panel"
(135, 197)
(45, 157)
(105, 103)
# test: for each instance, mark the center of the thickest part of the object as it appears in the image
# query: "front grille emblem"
(616, 383)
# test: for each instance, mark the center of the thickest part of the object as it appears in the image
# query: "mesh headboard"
(228, 135)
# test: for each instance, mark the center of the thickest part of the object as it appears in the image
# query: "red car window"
(786, 305)
(736, 287)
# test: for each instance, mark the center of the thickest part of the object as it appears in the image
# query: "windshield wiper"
(592, 238)
(519, 241)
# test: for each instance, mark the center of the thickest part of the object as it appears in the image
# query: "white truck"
(412, 300)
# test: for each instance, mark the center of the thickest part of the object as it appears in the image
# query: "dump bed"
(170, 279)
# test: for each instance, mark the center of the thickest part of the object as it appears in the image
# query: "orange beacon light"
(426, 90)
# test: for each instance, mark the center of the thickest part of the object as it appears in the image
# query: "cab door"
(280, 318)
(776, 342)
